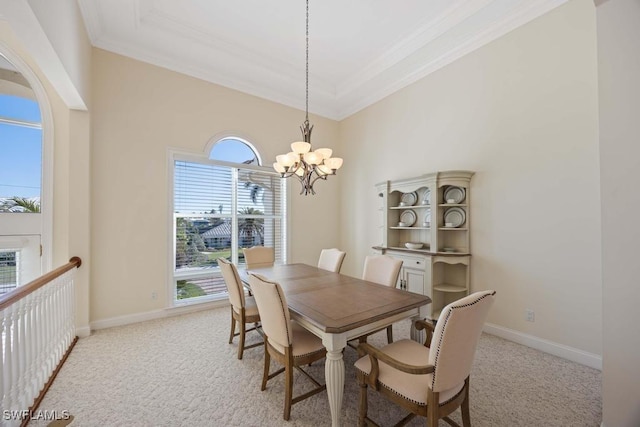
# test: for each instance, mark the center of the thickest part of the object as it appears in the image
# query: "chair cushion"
(304, 342)
(250, 307)
(410, 386)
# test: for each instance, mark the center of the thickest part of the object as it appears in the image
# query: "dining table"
(338, 308)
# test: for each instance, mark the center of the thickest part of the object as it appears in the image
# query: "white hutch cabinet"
(431, 215)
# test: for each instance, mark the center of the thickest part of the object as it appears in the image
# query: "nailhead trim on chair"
(433, 377)
(307, 354)
(408, 398)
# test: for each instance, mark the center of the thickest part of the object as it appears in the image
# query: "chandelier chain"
(307, 67)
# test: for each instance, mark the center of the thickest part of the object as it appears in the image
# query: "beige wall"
(619, 68)
(70, 179)
(522, 113)
(139, 112)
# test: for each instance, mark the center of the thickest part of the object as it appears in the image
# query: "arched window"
(235, 150)
(222, 203)
(21, 165)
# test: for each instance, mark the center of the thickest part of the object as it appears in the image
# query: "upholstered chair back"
(232, 280)
(259, 256)
(382, 269)
(274, 312)
(331, 259)
(455, 339)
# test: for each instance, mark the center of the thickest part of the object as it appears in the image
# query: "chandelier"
(302, 162)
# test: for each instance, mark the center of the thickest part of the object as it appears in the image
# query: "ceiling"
(359, 50)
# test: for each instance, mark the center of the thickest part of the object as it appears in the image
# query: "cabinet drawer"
(411, 262)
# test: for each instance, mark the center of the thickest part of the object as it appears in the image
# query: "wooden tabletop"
(335, 302)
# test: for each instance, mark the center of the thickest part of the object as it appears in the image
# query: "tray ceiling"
(360, 50)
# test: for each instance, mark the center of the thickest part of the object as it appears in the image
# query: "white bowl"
(411, 245)
(402, 224)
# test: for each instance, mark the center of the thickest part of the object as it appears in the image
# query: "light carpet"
(180, 371)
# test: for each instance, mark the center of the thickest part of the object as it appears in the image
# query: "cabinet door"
(413, 280)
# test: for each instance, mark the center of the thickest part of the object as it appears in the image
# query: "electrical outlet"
(154, 295)
(529, 315)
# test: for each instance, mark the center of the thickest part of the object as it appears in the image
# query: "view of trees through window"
(218, 211)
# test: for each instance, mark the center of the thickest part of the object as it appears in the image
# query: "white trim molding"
(46, 119)
(573, 354)
(155, 314)
(83, 332)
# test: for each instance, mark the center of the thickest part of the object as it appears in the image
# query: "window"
(220, 206)
(21, 161)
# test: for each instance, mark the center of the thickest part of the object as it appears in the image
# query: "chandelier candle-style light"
(302, 162)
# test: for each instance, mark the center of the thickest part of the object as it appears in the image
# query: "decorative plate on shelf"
(426, 197)
(454, 216)
(409, 199)
(454, 193)
(426, 222)
(408, 217)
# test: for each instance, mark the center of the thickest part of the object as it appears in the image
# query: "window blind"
(219, 209)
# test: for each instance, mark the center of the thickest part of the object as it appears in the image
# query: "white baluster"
(28, 356)
(3, 358)
(15, 354)
(20, 354)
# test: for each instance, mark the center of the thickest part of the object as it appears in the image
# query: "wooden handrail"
(22, 291)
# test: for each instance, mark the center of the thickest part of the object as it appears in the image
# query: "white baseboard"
(575, 355)
(83, 332)
(155, 314)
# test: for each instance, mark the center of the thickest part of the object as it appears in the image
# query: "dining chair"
(384, 270)
(286, 341)
(243, 308)
(331, 259)
(259, 256)
(430, 380)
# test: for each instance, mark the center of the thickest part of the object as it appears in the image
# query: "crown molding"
(400, 75)
(282, 93)
(424, 33)
(157, 20)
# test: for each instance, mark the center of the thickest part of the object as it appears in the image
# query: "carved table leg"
(334, 374)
